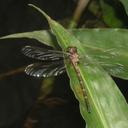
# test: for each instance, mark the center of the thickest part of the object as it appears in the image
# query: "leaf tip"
(41, 11)
(3, 37)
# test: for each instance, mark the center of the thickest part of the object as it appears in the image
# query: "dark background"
(19, 92)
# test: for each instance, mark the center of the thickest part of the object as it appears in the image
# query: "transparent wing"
(112, 60)
(49, 70)
(41, 53)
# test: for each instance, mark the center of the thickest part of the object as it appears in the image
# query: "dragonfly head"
(72, 50)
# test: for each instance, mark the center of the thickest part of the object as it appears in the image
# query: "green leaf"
(109, 15)
(125, 4)
(107, 110)
(108, 106)
(108, 46)
(45, 37)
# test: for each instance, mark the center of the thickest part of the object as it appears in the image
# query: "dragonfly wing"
(41, 53)
(49, 70)
(112, 60)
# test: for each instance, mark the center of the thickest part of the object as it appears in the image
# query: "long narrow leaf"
(109, 15)
(125, 4)
(45, 37)
(108, 106)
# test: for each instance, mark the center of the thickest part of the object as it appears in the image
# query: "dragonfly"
(54, 64)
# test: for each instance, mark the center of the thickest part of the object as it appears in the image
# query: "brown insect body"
(74, 58)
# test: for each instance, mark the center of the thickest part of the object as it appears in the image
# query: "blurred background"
(27, 102)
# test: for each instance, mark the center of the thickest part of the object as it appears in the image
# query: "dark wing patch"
(49, 70)
(41, 53)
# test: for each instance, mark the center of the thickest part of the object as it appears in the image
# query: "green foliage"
(108, 46)
(105, 107)
(109, 15)
(104, 51)
(125, 4)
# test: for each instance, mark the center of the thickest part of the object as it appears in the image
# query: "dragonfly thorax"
(74, 57)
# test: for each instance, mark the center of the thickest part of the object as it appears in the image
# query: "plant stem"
(81, 5)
